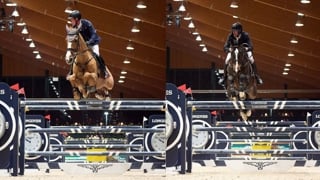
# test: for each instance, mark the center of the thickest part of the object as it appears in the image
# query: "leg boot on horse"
(102, 66)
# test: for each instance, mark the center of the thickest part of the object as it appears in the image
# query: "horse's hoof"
(248, 113)
(244, 116)
(100, 97)
(108, 98)
(76, 96)
(85, 95)
(242, 95)
(91, 89)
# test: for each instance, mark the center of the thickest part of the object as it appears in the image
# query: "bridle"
(239, 51)
(75, 38)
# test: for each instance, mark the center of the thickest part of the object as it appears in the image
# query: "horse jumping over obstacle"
(84, 78)
(241, 81)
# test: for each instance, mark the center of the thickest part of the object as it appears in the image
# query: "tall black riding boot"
(258, 78)
(102, 66)
(223, 79)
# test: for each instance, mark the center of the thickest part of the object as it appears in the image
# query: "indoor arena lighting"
(135, 29)
(198, 38)
(24, 30)
(141, 5)
(136, 19)
(123, 72)
(204, 49)
(15, 13)
(234, 4)
(11, 4)
(294, 40)
(187, 17)
(130, 47)
(191, 25)
(32, 45)
(120, 81)
(195, 33)
(21, 23)
(182, 8)
(287, 65)
(290, 54)
(305, 1)
(126, 61)
(299, 23)
(68, 10)
(38, 56)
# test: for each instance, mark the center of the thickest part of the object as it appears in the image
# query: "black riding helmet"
(75, 14)
(237, 26)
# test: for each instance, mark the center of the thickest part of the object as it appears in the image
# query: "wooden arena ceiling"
(271, 24)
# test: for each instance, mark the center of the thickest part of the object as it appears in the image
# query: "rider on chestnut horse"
(91, 37)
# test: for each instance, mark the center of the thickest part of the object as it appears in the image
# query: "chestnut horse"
(84, 78)
(241, 81)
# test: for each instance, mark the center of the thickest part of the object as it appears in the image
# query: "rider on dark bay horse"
(236, 38)
(89, 34)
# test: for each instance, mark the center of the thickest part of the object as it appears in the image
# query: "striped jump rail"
(263, 140)
(107, 146)
(266, 158)
(258, 129)
(102, 153)
(92, 104)
(248, 151)
(257, 123)
(289, 104)
(96, 129)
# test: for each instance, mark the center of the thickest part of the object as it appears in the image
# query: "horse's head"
(239, 57)
(73, 43)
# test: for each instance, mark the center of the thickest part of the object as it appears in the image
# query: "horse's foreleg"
(75, 86)
(90, 80)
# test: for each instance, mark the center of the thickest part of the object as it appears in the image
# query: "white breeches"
(95, 49)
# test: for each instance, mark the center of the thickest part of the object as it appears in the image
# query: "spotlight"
(141, 5)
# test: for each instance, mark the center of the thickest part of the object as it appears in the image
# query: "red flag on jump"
(21, 91)
(182, 87)
(214, 113)
(15, 87)
(188, 91)
(48, 117)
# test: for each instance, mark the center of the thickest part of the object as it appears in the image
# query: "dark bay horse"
(84, 78)
(241, 82)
